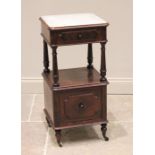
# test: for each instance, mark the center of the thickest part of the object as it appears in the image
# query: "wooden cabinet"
(74, 97)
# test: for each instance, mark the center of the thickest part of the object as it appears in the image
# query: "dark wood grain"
(82, 105)
(75, 77)
(45, 57)
(48, 103)
(90, 56)
(77, 96)
(55, 67)
(80, 35)
(103, 63)
(73, 103)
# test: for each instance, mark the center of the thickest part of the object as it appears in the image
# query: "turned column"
(90, 56)
(55, 67)
(103, 63)
(45, 57)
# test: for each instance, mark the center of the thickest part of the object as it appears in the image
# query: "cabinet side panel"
(57, 109)
(45, 32)
(104, 103)
(48, 100)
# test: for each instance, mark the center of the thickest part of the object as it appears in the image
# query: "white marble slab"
(55, 21)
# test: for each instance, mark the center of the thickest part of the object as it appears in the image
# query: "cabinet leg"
(58, 137)
(104, 130)
(48, 122)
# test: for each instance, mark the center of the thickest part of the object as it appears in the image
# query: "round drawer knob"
(62, 36)
(79, 36)
(81, 105)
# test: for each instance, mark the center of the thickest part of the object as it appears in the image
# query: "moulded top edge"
(73, 20)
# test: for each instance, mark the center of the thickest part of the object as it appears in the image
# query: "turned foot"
(48, 122)
(58, 137)
(104, 129)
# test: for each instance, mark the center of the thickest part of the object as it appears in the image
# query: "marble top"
(71, 20)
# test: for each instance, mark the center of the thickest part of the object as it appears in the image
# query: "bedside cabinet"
(78, 96)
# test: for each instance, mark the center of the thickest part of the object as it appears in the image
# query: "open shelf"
(75, 77)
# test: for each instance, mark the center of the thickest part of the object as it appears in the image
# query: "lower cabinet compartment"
(80, 106)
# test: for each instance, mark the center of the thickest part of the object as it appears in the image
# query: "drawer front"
(77, 36)
(79, 106)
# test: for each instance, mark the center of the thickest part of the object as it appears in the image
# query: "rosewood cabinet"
(78, 96)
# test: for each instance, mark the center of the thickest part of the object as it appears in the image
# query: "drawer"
(77, 36)
(83, 105)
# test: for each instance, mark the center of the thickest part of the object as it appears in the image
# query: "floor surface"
(38, 139)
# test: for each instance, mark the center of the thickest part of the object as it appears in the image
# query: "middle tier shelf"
(75, 77)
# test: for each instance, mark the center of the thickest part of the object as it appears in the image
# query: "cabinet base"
(58, 129)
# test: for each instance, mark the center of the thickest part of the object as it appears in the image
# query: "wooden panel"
(77, 36)
(48, 101)
(74, 35)
(79, 106)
